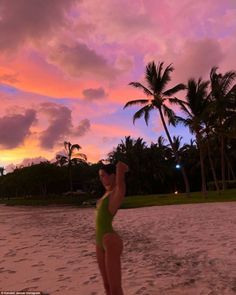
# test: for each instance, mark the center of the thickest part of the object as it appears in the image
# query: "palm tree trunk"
(212, 167)
(228, 171)
(230, 167)
(222, 145)
(70, 177)
(187, 188)
(199, 144)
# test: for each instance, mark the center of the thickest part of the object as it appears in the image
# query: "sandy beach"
(177, 249)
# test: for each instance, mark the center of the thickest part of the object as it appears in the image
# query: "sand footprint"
(86, 282)
(141, 290)
(60, 268)
(150, 282)
(33, 280)
(23, 259)
(10, 254)
(64, 279)
(77, 269)
(93, 277)
(9, 271)
(70, 262)
(38, 264)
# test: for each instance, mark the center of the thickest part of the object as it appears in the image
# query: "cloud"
(124, 62)
(31, 20)
(15, 128)
(82, 128)
(94, 93)
(116, 21)
(81, 61)
(198, 57)
(60, 125)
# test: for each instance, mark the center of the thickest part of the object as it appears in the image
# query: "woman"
(109, 244)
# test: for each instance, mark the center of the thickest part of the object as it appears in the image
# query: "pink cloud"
(15, 128)
(79, 60)
(31, 20)
(197, 58)
(60, 125)
(94, 93)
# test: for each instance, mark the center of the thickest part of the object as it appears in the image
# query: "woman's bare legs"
(113, 245)
(102, 267)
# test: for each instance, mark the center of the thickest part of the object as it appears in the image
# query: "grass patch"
(129, 201)
(172, 199)
(43, 201)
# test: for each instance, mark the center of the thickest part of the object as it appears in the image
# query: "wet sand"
(177, 249)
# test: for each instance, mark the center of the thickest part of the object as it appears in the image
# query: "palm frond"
(180, 120)
(161, 141)
(231, 95)
(186, 122)
(151, 75)
(175, 89)
(66, 145)
(213, 72)
(177, 142)
(134, 102)
(170, 115)
(75, 146)
(139, 85)
(79, 155)
(165, 77)
(147, 113)
(184, 108)
(227, 80)
(197, 96)
(139, 113)
(176, 100)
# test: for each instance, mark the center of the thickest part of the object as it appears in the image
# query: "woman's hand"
(122, 166)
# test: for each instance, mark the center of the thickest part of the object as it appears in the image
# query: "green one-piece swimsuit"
(103, 221)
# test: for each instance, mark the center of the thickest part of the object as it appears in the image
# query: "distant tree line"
(153, 169)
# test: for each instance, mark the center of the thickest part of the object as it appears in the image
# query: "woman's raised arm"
(120, 188)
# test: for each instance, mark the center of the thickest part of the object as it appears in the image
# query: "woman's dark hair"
(108, 168)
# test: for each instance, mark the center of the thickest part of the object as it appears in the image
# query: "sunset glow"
(65, 66)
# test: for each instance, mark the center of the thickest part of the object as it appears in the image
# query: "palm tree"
(132, 152)
(222, 109)
(157, 81)
(194, 107)
(61, 160)
(230, 157)
(72, 157)
(164, 150)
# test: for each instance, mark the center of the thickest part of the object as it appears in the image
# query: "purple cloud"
(94, 93)
(15, 128)
(60, 126)
(27, 20)
(82, 128)
(198, 57)
(79, 60)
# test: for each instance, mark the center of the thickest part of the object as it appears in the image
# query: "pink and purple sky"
(65, 66)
